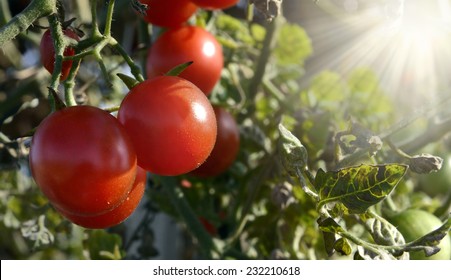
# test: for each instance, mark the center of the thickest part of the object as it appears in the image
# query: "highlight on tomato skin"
(47, 52)
(165, 13)
(118, 214)
(215, 4)
(183, 44)
(83, 160)
(226, 147)
(171, 123)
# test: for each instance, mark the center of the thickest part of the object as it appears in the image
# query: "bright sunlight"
(405, 41)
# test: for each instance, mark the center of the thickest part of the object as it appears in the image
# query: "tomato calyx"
(128, 81)
(59, 104)
(177, 70)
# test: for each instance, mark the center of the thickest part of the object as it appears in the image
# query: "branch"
(22, 21)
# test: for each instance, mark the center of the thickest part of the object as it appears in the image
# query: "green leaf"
(128, 81)
(358, 187)
(258, 32)
(430, 242)
(363, 81)
(382, 231)
(104, 246)
(343, 246)
(234, 28)
(36, 231)
(59, 104)
(329, 242)
(293, 153)
(293, 45)
(177, 70)
(330, 225)
(328, 88)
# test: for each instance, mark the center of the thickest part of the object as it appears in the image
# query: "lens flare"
(405, 42)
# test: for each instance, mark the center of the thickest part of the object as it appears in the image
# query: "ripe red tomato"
(118, 214)
(226, 147)
(168, 13)
(215, 4)
(47, 51)
(171, 123)
(83, 160)
(188, 43)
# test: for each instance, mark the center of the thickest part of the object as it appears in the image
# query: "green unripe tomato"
(415, 223)
(437, 183)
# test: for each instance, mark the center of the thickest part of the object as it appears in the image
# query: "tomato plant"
(168, 13)
(212, 4)
(83, 160)
(188, 43)
(330, 140)
(119, 213)
(171, 123)
(413, 224)
(47, 51)
(226, 146)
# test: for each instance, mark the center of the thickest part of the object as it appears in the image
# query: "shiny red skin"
(47, 51)
(83, 160)
(171, 123)
(188, 43)
(215, 4)
(168, 13)
(118, 214)
(226, 148)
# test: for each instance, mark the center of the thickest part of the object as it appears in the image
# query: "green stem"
(275, 92)
(135, 70)
(5, 15)
(391, 204)
(80, 55)
(249, 11)
(265, 54)
(23, 20)
(104, 70)
(70, 84)
(397, 150)
(112, 109)
(95, 32)
(370, 247)
(185, 211)
(109, 18)
(59, 46)
(304, 185)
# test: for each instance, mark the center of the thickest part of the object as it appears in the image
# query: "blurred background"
(395, 48)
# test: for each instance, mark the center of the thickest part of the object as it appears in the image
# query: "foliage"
(321, 164)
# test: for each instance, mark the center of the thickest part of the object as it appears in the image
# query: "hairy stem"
(70, 84)
(23, 20)
(59, 46)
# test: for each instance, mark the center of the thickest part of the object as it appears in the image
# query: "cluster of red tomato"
(92, 166)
